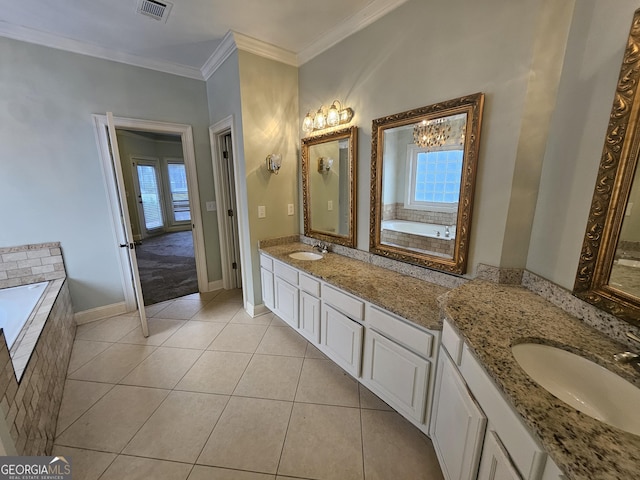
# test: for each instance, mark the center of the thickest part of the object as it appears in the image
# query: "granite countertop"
(407, 297)
(494, 317)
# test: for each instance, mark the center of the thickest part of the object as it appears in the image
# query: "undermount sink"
(305, 256)
(584, 385)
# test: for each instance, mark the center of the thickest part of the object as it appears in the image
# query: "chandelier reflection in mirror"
(326, 118)
(435, 133)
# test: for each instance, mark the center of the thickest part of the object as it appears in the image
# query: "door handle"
(125, 245)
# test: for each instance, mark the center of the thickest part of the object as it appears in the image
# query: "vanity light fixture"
(324, 164)
(323, 118)
(274, 161)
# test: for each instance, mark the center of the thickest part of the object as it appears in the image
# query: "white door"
(341, 339)
(127, 242)
(286, 301)
(310, 317)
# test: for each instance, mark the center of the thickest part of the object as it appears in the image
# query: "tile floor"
(215, 394)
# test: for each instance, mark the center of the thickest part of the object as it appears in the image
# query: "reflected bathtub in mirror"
(423, 170)
(328, 186)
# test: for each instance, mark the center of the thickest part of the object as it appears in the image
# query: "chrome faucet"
(447, 233)
(629, 357)
(321, 247)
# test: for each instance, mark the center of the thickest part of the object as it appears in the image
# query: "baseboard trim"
(256, 310)
(98, 313)
(213, 286)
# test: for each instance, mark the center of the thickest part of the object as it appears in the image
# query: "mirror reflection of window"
(435, 175)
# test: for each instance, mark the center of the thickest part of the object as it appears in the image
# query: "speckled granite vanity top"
(492, 318)
(408, 297)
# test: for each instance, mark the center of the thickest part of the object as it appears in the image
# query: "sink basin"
(305, 256)
(582, 384)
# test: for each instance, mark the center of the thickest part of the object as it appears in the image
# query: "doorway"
(173, 206)
(157, 191)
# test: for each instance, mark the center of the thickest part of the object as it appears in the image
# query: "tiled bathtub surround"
(30, 407)
(397, 211)
(33, 263)
(440, 246)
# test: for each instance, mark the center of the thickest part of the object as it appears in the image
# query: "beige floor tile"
(244, 317)
(313, 352)
(393, 448)
(134, 468)
(163, 368)
(249, 435)
(179, 428)
(215, 372)
(113, 364)
(110, 330)
(219, 312)
(181, 309)
(270, 376)
(83, 351)
(232, 295)
(203, 297)
(194, 334)
(322, 381)
(276, 321)
(153, 310)
(371, 401)
(159, 330)
(85, 464)
(214, 473)
(323, 442)
(282, 341)
(114, 419)
(239, 338)
(77, 398)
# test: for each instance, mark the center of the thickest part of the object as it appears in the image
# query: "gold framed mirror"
(609, 268)
(329, 186)
(423, 170)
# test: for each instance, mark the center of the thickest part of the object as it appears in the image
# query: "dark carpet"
(167, 267)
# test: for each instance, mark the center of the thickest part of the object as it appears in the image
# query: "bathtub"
(422, 229)
(16, 305)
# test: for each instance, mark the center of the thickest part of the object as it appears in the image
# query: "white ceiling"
(112, 29)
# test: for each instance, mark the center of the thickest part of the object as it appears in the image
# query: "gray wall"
(594, 54)
(51, 186)
(425, 52)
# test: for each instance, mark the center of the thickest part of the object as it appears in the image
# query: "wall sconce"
(274, 161)
(324, 164)
(323, 118)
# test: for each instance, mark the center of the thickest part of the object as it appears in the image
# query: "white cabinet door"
(495, 463)
(397, 375)
(341, 339)
(458, 424)
(267, 288)
(286, 301)
(310, 317)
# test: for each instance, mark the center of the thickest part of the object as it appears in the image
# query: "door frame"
(188, 152)
(217, 132)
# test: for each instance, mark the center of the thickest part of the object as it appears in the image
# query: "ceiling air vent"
(154, 9)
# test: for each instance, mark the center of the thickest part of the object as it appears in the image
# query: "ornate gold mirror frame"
(329, 186)
(614, 183)
(467, 109)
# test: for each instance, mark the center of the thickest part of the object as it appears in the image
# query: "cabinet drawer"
(266, 262)
(309, 284)
(527, 456)
(287, 273)
(419, 341)
(452, 342)
(353, 307)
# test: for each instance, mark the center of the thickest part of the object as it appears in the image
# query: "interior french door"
(127, 241)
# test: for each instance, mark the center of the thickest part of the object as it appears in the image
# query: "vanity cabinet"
(341, 339)
(285, 292)
(458, 425)
(502, 450)
(266, 277)
(309, 321)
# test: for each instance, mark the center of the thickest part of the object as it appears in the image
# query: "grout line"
(57, 435)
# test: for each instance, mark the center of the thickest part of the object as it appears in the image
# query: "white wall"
(425, 52)
(594, 54)
(51, 185)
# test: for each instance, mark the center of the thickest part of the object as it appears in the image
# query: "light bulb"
(307, 123)
(319, 122)
(333, 116)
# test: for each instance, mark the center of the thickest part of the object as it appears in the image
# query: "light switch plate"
(290, 209)
(262, 211)
(629, 209)
(330, 205)
(211, 206)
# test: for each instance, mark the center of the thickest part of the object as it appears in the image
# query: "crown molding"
(372, 12)
(233, 41)
(18, 32)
